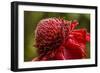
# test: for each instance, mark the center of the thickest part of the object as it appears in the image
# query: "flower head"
(57, 39)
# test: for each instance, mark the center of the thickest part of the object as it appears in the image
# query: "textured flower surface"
(57, 39)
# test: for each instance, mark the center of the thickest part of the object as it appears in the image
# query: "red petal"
(88, 37)
(73, 25)
(59, 55)
(80, 35)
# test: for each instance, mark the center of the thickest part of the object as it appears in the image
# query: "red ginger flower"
(57, 39)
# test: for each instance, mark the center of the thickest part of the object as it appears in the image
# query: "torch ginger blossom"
(57, 39)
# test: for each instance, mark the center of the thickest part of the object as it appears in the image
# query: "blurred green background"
(31, 19)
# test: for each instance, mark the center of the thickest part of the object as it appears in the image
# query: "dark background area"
(31, 19)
